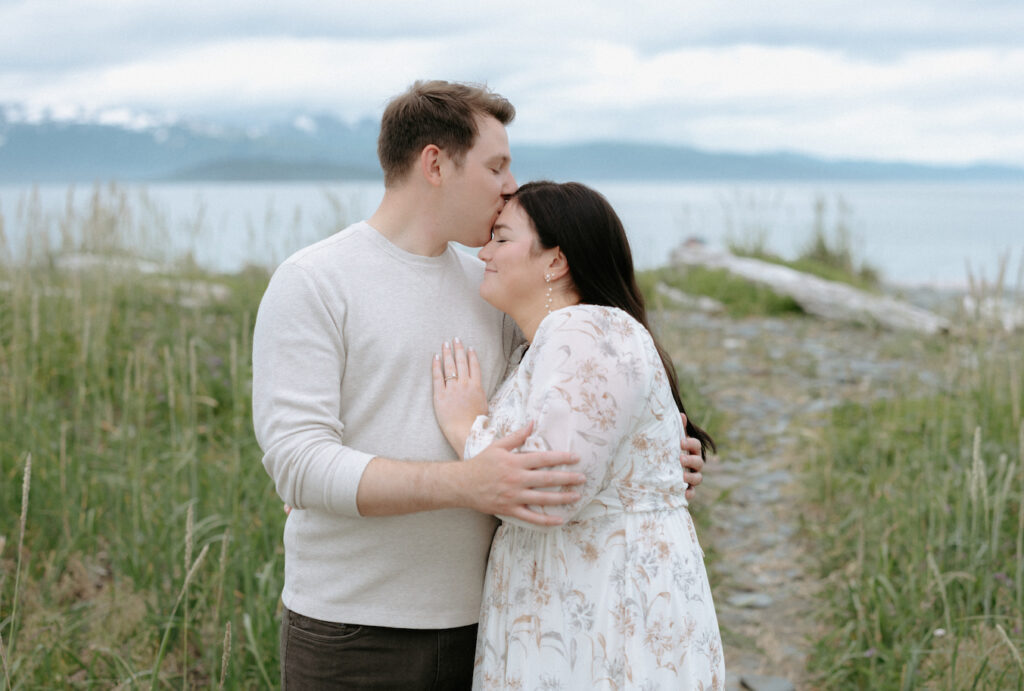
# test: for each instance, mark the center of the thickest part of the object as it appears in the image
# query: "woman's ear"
(559, 265)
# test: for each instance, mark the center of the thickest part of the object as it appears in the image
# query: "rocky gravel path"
(772, 381)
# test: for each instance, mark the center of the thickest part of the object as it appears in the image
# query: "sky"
(938, 81)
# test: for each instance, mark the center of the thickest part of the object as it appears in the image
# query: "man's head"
(445, 114)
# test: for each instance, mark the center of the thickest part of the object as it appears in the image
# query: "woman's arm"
(589, 380)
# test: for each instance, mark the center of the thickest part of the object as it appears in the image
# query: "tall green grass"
(739, 297)
(150, 529)
(920, 522)
(828, 252)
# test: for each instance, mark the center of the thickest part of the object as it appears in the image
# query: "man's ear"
(430, 164)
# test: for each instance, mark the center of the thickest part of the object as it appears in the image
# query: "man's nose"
(509, 188)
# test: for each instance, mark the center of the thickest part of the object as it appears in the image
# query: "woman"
(617, 596)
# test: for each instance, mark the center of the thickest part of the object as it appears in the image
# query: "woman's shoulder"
(600, 319)
(608, 329)
(595, 342)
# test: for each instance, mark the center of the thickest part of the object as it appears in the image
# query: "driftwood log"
(817, 296)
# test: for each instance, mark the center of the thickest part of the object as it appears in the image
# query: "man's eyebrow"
(500, 159)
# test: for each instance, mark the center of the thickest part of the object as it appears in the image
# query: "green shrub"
(740, 297)
(828, 253)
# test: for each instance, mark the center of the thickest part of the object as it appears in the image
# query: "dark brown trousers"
(319, 654)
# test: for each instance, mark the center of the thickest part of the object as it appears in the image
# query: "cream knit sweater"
(341, 373)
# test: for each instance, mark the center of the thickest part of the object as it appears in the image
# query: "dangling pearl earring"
(547, 303)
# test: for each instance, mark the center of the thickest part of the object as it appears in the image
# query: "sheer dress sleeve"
(583, 387)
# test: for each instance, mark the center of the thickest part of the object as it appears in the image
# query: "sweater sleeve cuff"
(345, 486)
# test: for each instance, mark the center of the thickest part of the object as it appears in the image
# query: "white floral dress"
(617, 597)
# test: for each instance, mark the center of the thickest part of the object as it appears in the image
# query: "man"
(342, 349)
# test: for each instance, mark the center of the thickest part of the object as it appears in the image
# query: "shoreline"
(915, 235)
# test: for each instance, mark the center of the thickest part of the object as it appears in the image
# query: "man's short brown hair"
(435, 112)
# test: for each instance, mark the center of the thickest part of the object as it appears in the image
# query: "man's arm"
(495, 481)
(298, 356)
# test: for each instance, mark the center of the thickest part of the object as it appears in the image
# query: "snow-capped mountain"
(75, 145)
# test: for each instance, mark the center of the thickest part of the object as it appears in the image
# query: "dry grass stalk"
(26, 485)
(1011, 646)
(189, 535)
(226, 656)
(189, 543)
(3, 660)
(221, 572)
(167, 627)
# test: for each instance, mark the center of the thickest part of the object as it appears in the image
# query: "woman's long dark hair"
(581, 222)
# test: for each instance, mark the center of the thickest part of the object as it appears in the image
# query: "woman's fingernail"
(457, 341)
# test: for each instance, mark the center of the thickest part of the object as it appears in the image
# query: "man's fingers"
(524, 514)
(692, 463)
(536, 459)
(540, 498)
(546, 459)
(513, 440)
(548, 478)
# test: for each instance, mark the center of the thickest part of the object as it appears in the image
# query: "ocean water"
(914, 233)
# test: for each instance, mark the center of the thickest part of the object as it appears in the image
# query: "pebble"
(751, 600)
(821, 405)
(757, 682)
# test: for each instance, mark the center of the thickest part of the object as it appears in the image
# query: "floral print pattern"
(617, 597)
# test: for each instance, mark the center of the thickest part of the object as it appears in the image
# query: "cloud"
(349, 76)
(74, 33)
(929, 105)
(921, 79)
(82, 33)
